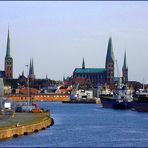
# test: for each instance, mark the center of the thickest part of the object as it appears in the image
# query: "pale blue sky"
(59, 34)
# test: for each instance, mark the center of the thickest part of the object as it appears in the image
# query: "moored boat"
(85, 101)
(140, 100)
(120, 99)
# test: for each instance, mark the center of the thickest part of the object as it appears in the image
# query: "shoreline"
(34, 123)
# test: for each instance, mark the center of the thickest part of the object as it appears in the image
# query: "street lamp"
(1, 92)
(28, 83)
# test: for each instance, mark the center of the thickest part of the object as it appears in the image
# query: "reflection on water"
(87, 125)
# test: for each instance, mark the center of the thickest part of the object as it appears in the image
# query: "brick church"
(101, 76)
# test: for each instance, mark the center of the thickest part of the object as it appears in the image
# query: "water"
(87, 125)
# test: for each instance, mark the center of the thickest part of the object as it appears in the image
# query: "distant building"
(8, 67)
(98, 76)
(8, 60)
(101, 76)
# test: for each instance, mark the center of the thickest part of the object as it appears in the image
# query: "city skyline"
(57, 35)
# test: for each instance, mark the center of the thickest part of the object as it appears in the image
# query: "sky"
(57, 35)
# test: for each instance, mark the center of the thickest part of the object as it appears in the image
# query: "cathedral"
(101, 76)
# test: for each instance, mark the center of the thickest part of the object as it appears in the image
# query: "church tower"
(109, 65)
(83, 64)
(125, 70)
(8, 60)
(31, 70)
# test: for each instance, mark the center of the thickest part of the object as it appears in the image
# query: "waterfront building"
(98, 76)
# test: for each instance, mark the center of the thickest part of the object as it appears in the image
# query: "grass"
(23, 119)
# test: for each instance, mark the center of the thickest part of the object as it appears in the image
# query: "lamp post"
(28, 83)
(1, 93)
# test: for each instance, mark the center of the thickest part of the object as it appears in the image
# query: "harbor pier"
(24, 124)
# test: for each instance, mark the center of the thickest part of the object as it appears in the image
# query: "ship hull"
(109, 102)
(91, 101)
(140, 106)
(123, 105)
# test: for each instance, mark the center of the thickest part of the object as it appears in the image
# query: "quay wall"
(26, 129)
(40, 97)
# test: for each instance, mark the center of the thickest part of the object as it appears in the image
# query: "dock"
(23, 123)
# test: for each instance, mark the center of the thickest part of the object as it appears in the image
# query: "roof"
(124, 64)
(89, 70)
(110, 54)
(8, 46)
(25, 90)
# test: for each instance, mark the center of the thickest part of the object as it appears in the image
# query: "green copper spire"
(83, 64)
(110, 55)
(124, 64)
(8, 46)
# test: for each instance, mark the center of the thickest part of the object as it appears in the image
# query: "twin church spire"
(31, 70)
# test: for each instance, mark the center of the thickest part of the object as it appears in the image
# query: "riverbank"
(24, 123)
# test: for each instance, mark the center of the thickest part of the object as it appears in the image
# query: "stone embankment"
(24, 124)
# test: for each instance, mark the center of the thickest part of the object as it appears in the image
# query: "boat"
(88, 101)
(140, 100)
(81, 96)
(121, 98)
(84, 99)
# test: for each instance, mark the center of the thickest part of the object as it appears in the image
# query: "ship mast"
(28, 85)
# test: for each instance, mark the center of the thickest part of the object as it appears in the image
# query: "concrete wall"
(24, 130)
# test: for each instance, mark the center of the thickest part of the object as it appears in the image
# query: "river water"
(87, 125)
